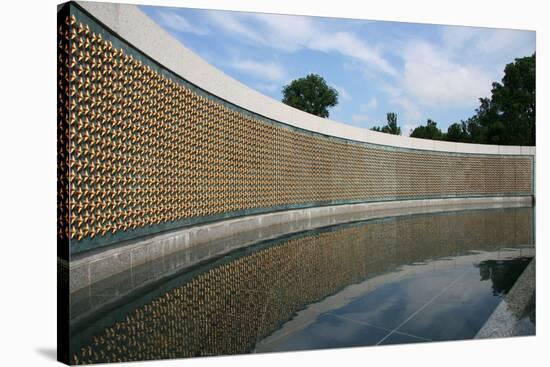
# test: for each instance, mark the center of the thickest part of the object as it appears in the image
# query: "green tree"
(430, 131)
(458, 132)
(391, 126)
(508, 117)
(310, 94)
(513, 104)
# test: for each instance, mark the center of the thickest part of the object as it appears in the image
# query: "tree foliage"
(508, 117)
(430, 131)
(310, 94)
(391, 126)
(458, 132)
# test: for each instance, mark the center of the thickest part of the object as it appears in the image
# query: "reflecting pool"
(405, 279)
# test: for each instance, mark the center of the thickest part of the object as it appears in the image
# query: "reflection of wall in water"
(227, 309)
(149, 152)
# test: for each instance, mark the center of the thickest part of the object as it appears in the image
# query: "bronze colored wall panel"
(139, 150)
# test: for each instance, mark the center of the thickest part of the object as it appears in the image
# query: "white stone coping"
(135, 27)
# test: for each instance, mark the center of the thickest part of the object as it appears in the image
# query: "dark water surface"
(398, 280)
(442, 300)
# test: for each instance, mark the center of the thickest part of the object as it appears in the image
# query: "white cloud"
(230, 23)
(489, 48)
(412, 113)
(372, 104)
(265, 71)
(456, 38)
(397, 97)
(348, 44)
(343, 94)
(501, 43)
(267, 87)
(284, 32)
(449, 70)
(358, 67)
(291, 33)
(177, 22)
(433, 79)
(454, 71)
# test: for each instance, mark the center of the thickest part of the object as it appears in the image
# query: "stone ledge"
(504, 321)
(213, 239)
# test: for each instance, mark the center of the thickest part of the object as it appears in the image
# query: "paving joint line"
(379, 327)
(425, 305)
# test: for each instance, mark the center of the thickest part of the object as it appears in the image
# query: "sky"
(418, 71)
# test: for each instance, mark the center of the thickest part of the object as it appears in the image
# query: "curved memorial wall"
(151, 138)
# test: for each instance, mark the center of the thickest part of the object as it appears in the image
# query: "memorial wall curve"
(144, 147)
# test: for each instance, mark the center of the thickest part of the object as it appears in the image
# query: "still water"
(418, 278)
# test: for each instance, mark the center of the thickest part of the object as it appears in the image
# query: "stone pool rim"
(94, 266)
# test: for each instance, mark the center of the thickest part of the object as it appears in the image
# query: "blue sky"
(418, 71)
